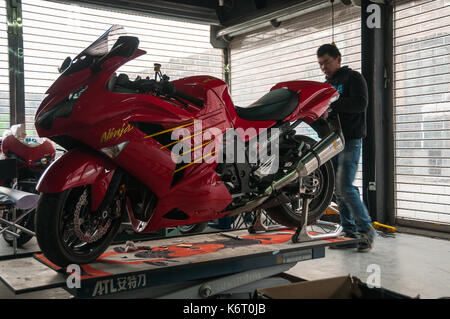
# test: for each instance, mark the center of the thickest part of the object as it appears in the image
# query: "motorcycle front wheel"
(192, 228)
(68, 232)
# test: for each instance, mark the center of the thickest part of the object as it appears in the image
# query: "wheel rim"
(81, 230)
(186, 228)
(315, 186)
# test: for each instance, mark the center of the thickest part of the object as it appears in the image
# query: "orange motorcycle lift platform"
(196, 266)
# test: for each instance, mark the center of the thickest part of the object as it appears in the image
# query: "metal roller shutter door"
(4, 70)
(271, 55)
(55, 30)
(422, 110)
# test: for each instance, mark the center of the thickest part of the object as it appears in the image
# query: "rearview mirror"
(65, 65)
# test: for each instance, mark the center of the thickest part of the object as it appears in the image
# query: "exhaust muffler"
(319, 154)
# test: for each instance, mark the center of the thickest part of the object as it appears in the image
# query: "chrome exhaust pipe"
(319, 154)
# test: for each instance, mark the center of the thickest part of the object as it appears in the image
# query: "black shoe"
(344, 245)
(367, 244)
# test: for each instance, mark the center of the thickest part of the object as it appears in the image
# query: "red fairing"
(67, 84)
(314, 99)
(32, 155)
(248, 129)
(75, 168)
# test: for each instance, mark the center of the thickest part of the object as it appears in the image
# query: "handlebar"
(165, 88)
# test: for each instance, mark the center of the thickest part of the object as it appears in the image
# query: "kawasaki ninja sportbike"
(159, 153)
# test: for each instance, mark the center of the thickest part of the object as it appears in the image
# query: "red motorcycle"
(123, 161)
(32, 156)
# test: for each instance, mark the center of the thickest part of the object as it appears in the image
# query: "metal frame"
(16, 65)
(378, 146)
(16, 200)
(223, 284)
(12, 227)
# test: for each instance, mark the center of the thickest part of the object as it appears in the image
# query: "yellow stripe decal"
(197, 147)
(183, 139)
(186, 166)
(169, 130)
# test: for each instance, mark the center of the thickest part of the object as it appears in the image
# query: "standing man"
(351, 108)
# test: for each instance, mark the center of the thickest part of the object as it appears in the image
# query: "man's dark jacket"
(352, 103)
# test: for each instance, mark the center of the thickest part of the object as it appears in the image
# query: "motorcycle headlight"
(76, 95)
(114, 151)
(62, 109)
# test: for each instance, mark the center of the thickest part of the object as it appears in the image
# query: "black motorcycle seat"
(273, 106)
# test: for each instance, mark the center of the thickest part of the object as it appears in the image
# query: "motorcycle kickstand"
(301, 234)
(257, 224)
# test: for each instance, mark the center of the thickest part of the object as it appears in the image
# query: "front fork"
(115, 191)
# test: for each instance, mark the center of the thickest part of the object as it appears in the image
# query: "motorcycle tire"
(52, 212)
(27, 222)
(286, 216)
(192, 228)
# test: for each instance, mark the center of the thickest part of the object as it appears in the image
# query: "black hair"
(329, 49)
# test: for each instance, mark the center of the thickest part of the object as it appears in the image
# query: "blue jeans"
(353, 212)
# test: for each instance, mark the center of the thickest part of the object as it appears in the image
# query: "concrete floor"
(6, 293)
(6, 250)
(409, 264)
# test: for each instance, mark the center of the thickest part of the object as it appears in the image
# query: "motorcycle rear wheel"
(55, 228)
(289, 215)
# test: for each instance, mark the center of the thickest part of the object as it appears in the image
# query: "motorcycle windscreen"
(99, 48)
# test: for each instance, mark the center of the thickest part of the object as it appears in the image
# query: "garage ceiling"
(215, 12)
(227, 18)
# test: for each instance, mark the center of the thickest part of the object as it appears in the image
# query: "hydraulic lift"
(197, 266)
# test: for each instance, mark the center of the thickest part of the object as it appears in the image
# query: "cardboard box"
(346, 287)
